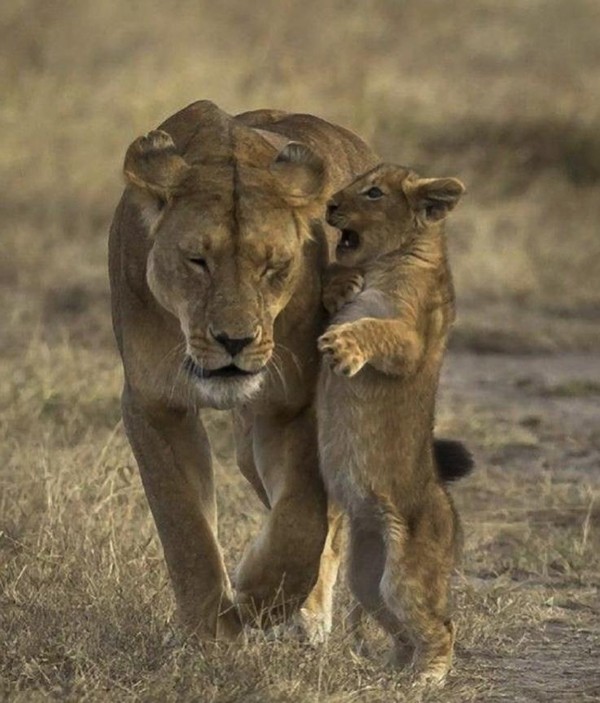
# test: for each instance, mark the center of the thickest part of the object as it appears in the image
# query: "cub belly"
(350, 436)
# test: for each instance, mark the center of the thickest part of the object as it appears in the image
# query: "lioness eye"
(374, 193)
(272, 271)
(199, 262)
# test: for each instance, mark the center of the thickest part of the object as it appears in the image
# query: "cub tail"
(453, 459)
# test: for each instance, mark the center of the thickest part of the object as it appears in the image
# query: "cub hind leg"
(366, 565)
(416, 581)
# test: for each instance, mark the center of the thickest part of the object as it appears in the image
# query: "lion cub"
(382, 359)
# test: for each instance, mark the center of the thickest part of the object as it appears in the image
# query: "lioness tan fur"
(215, 281)
(376, 400)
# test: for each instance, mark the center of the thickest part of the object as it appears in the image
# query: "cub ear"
(432, 198)
(300, 173)
(153, 165)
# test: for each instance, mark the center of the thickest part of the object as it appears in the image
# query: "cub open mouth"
(229, 371)
(350, 239)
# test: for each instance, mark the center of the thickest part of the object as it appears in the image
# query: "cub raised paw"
(342, 288)
(342, 348)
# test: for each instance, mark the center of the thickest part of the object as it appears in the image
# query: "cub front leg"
(341, 285)
(344, 348)
(392, 346)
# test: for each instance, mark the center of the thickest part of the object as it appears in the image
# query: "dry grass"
(85, 599)
(502, 94)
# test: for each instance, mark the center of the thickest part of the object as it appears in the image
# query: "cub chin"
(393, 302)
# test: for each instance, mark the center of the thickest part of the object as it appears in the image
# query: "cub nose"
(233, 345)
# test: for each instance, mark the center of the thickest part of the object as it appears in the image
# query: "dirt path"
(532, 519)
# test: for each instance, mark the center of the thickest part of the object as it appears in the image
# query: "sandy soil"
(531, 514)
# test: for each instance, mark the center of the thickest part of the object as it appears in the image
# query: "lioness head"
(227, 249)
(387, 209)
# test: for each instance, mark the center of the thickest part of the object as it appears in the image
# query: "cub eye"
(374, 193)
(198, 262)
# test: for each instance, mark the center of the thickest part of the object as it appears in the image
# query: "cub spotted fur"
(382, 359)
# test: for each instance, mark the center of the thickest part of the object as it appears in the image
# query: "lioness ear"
(299, 172)
(153, 165)
(432, 198)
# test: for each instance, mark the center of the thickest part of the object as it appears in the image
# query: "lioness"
(216, 298)
(383, 354)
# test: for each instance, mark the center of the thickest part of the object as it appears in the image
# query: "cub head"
(227, 250)
(387, 209)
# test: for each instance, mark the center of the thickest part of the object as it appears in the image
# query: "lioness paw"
(341, 290)
(342, 349)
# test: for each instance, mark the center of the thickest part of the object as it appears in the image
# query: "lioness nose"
(233, 345)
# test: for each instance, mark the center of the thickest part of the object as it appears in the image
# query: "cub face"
(387, 209)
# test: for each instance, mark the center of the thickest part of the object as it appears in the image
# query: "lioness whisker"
(278, 371)
(293, 357)
(168, 356)
(175, 380)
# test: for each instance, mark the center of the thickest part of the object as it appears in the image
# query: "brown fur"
(378, 382)
(211, 245)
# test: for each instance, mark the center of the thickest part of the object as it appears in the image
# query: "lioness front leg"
(173, 455)
(316, 614)
(314, 619)
(280, 567)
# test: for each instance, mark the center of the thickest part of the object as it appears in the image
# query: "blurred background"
(504, 94)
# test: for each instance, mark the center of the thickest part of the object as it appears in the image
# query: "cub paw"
(341, 290)
(342, 349)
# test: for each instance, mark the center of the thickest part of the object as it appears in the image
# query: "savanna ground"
(502, 94)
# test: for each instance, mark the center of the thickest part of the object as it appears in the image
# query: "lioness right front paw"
(312, 627)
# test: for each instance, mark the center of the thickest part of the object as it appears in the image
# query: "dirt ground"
(85, 602)
(533, 538)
